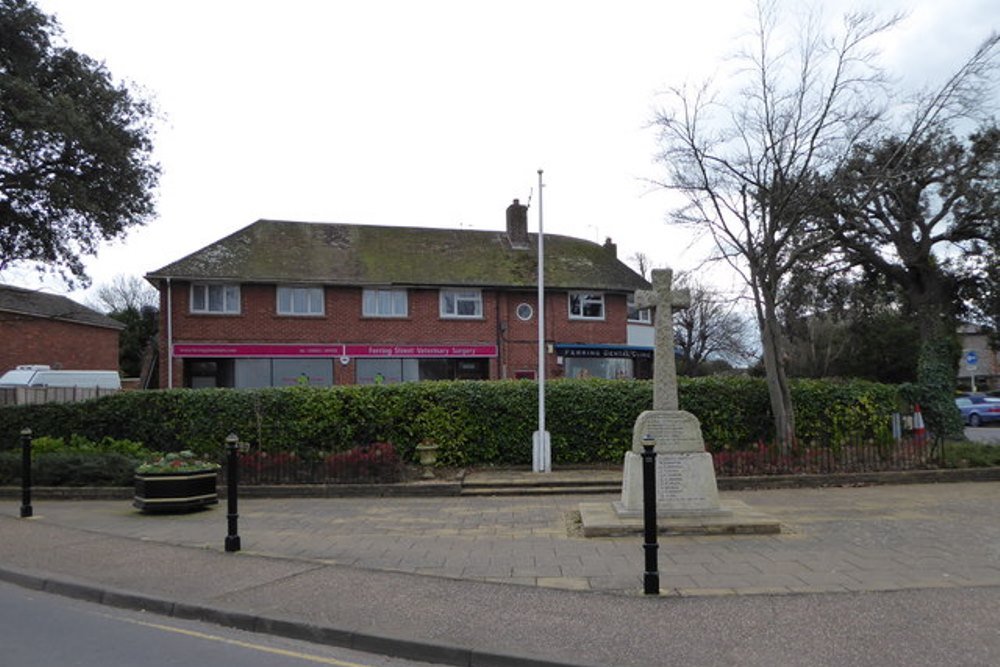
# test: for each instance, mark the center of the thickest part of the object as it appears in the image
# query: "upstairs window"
(638, 315)
(586, 306)
(461, 303)
(300, 300)
(384, 303)
(215, 298)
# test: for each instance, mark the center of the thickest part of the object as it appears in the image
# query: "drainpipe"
(501, 357)
(170, 336)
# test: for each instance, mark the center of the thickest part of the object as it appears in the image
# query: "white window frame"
(642, 315)
(312, 294)
(372, 302)
(585, 299)
(230, 298)
(458, 296)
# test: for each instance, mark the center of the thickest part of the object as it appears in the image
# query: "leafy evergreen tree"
(76, 162)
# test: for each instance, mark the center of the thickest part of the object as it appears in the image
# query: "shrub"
(70, 469)
(377, 463)
(473, 423)
(269, 466)
(75, 461)
(971, 455)
(81, 445)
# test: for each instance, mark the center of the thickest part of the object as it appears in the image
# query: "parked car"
(43, 376)
(979, 410)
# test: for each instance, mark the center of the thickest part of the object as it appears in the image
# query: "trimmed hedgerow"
(77, 444)
(472, 422)
(75, 461)
(70, 469)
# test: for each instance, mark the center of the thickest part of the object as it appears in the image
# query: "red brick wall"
(519, 348)
(62, 345)
(258, 322)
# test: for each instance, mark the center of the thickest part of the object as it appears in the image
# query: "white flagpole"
(541, 446)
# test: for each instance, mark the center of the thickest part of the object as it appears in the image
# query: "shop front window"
(208, 373)
(390, 371)
(609, 368)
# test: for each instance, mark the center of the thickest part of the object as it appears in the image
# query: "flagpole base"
(541, 452)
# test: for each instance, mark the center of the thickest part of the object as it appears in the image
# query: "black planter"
(175, 492)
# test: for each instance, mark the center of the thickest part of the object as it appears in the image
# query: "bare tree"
(642, 263)
(133, 302)
(712, 327)
(746, 163)
(125, 293)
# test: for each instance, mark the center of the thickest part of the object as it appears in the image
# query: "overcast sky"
(429, 113)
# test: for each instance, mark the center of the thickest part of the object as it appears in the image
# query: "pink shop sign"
(258, 350)
(420, 351)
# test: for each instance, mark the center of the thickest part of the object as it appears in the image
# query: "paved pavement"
(354, 570)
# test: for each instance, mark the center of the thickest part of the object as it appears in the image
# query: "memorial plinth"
(687, 496)
(685, 477)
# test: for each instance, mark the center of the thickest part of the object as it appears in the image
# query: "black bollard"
(26, 510)
(232, 477)
(651, 578)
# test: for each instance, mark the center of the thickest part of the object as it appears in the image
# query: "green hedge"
(70, 469)
(473, 422)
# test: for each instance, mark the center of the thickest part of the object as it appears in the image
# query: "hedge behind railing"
(473, 422)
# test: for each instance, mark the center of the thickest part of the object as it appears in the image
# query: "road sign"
(971, 358)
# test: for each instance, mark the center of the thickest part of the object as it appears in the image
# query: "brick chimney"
(517, 225)
(611, 247)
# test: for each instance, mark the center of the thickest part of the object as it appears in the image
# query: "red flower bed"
(377, 463)
(796, 459)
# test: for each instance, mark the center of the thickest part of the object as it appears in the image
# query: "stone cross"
(665, 301)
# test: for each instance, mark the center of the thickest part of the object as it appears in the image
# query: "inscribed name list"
(672, 432)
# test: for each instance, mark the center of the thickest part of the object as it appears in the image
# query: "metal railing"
(378, 463)
(853, 455)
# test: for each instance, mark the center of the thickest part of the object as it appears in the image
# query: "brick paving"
(833, 539)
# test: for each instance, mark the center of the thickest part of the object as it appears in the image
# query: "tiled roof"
(299, 252)
(39, 304)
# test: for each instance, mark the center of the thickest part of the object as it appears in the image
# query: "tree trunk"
(937, 366)
(778, 388)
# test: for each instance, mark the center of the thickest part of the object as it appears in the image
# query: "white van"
(44, 376)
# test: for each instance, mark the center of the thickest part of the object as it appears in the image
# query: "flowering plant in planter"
(176, 462)
(176, 482)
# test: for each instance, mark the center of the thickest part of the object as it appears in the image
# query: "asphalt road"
(985, 434)
(41, 630)
(921, 628)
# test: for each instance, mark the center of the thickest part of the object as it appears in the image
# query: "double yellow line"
(247, 645)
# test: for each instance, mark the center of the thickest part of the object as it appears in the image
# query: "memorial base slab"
(600, 519)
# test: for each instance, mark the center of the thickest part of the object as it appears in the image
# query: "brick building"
(280, 303)
(40, 328)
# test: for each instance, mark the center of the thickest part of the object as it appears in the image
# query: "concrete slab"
(599, 519)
